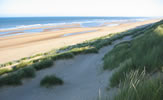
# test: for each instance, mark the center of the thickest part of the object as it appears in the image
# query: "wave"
(100, 21)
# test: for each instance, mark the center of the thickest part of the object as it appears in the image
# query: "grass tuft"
(51, 80)
(139, 86)
(22, 65)
(4, 70)
(65, 55)
(119, 75)
(28, 72)
(12, 79)
(43, 64)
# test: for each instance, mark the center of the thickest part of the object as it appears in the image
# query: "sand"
(83, 78)
(19, 46)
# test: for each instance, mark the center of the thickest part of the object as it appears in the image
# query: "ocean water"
(22, 22)
(29, 22)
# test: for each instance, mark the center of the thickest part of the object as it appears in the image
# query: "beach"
(15, 47)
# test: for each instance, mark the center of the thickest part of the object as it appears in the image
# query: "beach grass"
(15, 78)
(5, 70)
(28, 72)
(22, 64)
(141, 53)
(51, 80)
(119, 75)
(64, 55)
(11, 79)
(43, 64)
(139, 86)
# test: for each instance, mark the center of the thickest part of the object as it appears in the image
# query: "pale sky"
(19, 8)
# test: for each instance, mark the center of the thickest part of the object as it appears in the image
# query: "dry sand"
(83, 78)
(19, 46)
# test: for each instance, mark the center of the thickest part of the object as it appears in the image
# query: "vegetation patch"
(145, 51)
(43, 64)
(129, 61)
(51, 80)
(139, 86)
(11, 79)
(116, 56)
(14, 78)
(5, 70)
(28, 72)
(119, 75)
(22, 65)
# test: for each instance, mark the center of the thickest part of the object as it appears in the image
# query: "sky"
(25, 8)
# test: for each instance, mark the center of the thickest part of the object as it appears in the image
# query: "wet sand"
(19, 46)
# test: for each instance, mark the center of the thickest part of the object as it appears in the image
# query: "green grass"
(28, 72)
(14, 78)
(22, 65)
(84, 50)
(43, 64)
(145, 51)
(128, 57)
(11, 79)
(119, 75)
(116, 56)
(4, 70)
(51, 80)
(64, 55)
(139, 86)
(23, 71)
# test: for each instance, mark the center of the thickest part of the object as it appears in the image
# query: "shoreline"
(19, 46)
(39, 27)
(21, 31)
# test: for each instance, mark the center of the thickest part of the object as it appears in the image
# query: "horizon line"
(78, 16)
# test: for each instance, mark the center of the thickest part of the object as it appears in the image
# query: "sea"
(9, 23)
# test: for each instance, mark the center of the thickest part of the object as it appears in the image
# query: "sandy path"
(83, 77)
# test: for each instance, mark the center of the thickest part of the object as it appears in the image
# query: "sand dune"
(83, 78)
